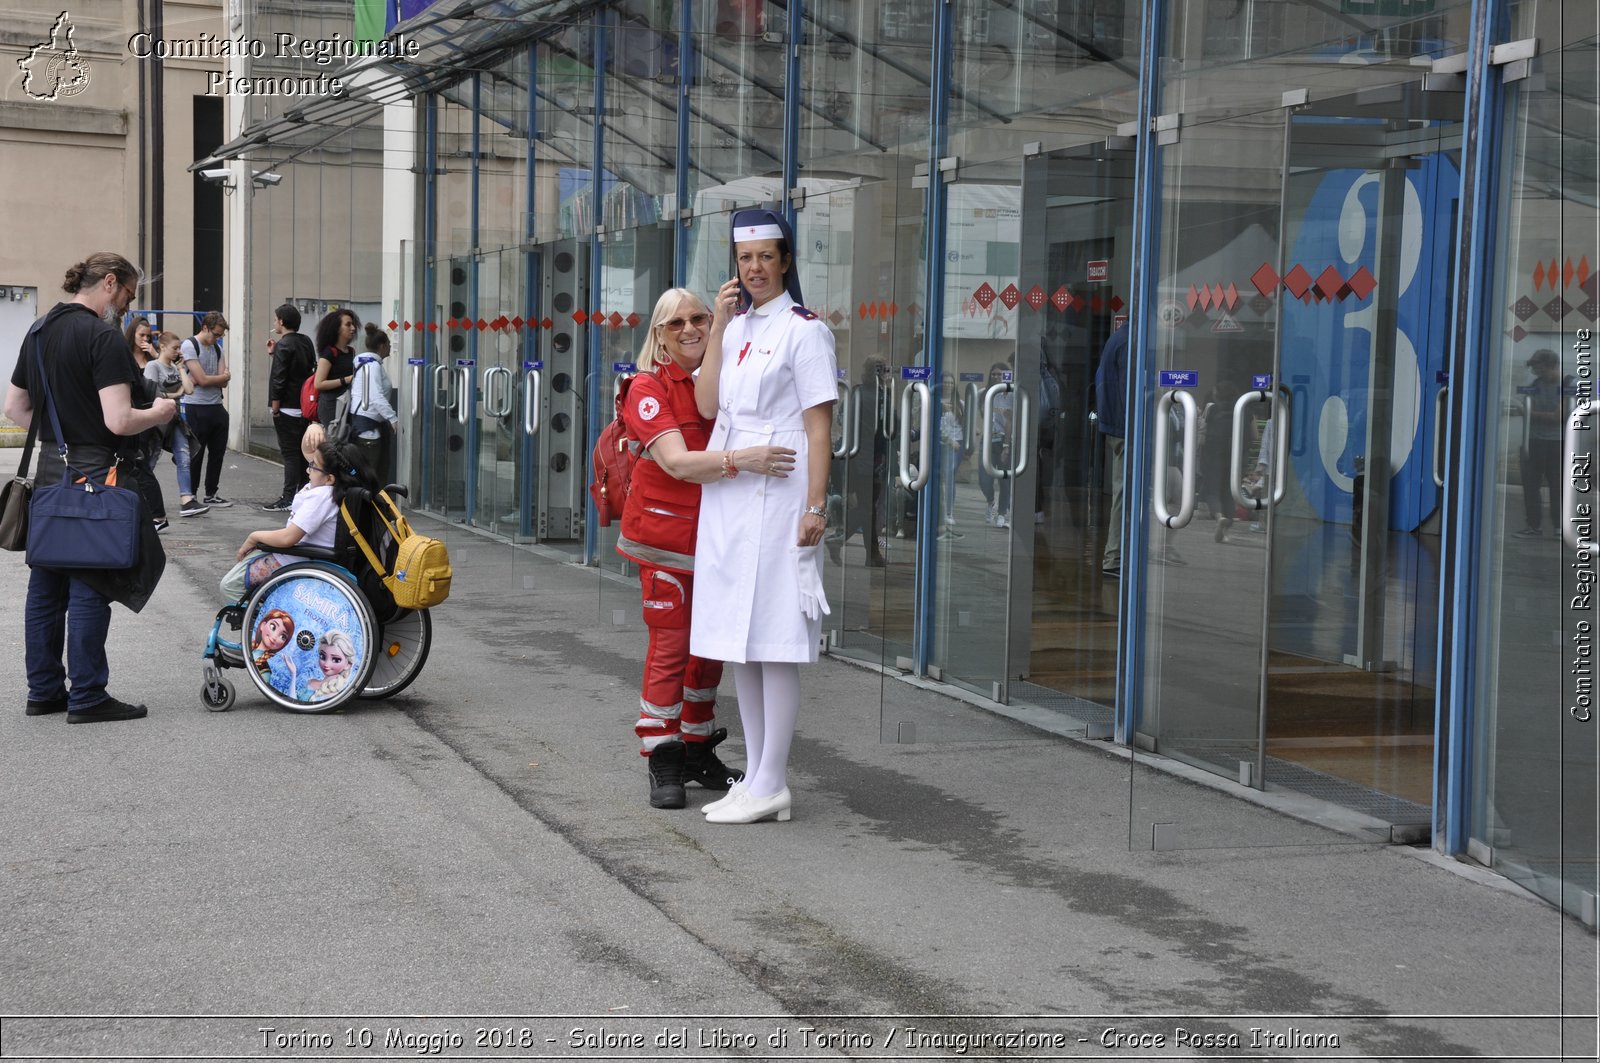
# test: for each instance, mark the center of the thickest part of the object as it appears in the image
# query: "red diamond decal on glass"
(433, 326)
(1590, 308)
(393, 325)
(1036, 297)
(1061, 298)
(547, 324)
(1298, 281)
(1362, 282)
(1265, 279)
(894, 309)
(1205, 298)
(1344, 292)
(1552, 272)
(579, 316)
(616, 319)
(861, 311)
(1194, 297)
(1583, 272)
(1524, 308)
(1519, 333)
(406, 325)
(467, 324)
(1329, 282)
(883, 310)
(1232, 293)
(1558, 308)
(633, 320)
(451, 323)
(1216, 295)
(482, 324)
(517, 322)
(1011, 296)
(1097, 302)
(1538, 276)
(1115, 303)
(985, 295)
(1566, 273)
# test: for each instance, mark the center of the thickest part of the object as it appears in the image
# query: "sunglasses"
(676, 324)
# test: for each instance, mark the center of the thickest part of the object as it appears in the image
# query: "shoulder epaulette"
(809, 315)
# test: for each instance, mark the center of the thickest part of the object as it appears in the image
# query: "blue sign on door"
(916, 372)
(1180, 378)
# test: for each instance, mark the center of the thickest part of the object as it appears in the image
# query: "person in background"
(1111, 410)
(203, 410)
(1541, 460)
(140, 344)
(92, 381)
(373, 420)
(293, 360)
(997, 490)
(770, 379)
(677, 703)
(168, 374)
(336, 361)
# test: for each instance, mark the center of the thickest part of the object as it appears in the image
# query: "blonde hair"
(654, 353)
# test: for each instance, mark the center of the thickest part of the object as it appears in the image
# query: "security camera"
(265, 180)
(219, 174)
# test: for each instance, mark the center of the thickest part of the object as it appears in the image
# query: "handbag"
(14, 497)
(81, 524)
(308, 399)
(339, 426)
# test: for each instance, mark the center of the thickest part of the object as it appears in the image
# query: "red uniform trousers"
(679, 697)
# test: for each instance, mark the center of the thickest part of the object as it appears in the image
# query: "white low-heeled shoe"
(733, 791)
(747, 808)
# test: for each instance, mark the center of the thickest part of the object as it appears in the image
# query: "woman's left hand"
(811, 529)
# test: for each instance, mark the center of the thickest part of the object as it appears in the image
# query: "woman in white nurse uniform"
(769, 380)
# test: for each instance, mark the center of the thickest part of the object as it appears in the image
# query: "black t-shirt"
(343, 364)
(82, 354)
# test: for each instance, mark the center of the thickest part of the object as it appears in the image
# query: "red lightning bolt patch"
(742, 352)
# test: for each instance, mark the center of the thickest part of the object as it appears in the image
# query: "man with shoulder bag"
(75, 370)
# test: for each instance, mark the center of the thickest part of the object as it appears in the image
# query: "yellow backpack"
(421, 575)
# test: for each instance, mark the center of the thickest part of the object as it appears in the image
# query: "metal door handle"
(1577, 478)
(855, 421)
(925, 425)
(842, 450)
(532, 383)
(1021, 446)
(985, 456)
(1236, 454)
(1440, 401)
(1191, 440)
(974, 401)
(463, 402)
(498, 386)
(616, 393)
(444, 398)
(416, 390)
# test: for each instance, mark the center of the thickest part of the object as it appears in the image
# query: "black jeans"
(291, 430)
(209, 424)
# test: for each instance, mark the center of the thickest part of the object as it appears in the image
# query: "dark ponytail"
(377, 339)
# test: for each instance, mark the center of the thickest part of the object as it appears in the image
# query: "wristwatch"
(817, 511)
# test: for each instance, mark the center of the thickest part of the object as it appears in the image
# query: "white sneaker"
(1002, 521)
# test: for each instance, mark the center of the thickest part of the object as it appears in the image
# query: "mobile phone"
(733, 271)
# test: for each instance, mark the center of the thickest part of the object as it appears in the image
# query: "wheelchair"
(322, 631)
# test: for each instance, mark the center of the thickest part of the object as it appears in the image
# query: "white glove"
(813, 600)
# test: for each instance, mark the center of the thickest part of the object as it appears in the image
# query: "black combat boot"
(666, 776)
(702, 766)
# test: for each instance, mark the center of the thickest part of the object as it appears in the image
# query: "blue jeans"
(180, 458)
(54, 597)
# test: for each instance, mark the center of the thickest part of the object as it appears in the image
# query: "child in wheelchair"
(313, 521)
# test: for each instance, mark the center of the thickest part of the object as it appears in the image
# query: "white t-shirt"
(314, 513)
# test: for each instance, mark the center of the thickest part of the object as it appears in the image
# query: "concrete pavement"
(480, 846)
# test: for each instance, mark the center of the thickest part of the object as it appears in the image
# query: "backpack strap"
(361, 540)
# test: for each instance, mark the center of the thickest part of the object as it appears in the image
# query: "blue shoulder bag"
(78, 523)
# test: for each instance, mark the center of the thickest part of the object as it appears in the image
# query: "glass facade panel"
(1534, 760)
(735, 98)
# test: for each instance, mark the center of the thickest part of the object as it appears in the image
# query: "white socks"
(769, 706)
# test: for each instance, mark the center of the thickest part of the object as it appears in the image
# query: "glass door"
(449, 391)
(499, 416)
(1290, 575)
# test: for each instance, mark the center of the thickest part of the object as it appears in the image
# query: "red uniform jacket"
(662, 512)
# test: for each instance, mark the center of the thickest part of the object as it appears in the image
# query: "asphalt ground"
(475, 860)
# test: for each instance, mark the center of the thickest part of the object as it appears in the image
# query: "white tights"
(769, 705)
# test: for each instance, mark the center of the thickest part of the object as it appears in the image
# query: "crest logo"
(54, 69)
(648, 408)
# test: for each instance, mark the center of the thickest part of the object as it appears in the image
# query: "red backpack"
(611, 466)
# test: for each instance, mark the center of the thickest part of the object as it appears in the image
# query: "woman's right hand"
(777, 462)
(725, 305)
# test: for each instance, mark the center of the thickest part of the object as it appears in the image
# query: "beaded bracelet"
(728, 471)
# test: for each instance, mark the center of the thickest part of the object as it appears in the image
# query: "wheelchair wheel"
(217, 694)
(402, 651)
(309, 638)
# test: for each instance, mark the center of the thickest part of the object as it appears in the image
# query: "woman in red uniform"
(676, 723)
